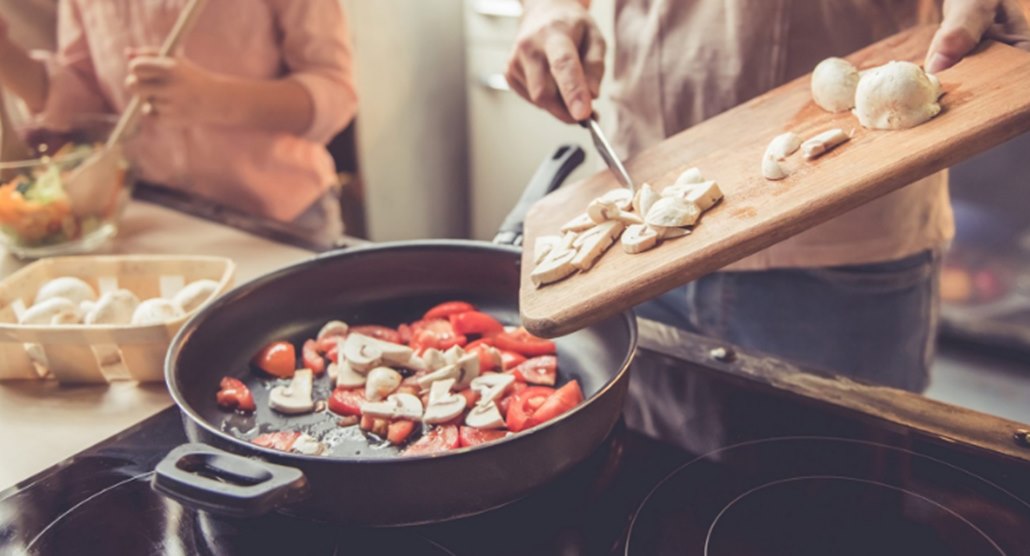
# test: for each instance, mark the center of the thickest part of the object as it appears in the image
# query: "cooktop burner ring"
(713, 492)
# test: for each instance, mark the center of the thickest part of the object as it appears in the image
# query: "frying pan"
(358, 483)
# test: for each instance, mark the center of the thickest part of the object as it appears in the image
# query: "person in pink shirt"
(240, 115)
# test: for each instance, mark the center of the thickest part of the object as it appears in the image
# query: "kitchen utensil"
(70, 352)
(604, 148)
(93, 181)
(984, 104)
(387, 283)
(12, 145)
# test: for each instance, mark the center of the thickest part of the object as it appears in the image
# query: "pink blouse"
(277, 175)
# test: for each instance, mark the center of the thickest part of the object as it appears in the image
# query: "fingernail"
(578, 109)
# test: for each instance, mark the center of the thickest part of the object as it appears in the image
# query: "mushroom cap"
(45, 311)
(834, 81)
(114, 307)
(195, 294)
(897, 95)
(333, 328)
(156, 311)
(71, 288)
(381, 382)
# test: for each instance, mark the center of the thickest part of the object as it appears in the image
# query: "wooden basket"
(74, 353)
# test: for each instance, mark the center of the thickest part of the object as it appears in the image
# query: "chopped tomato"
(521, 341)
(447, 309)
(440, 439)
(471, 396)
(346, 401)
(375, 425)
(487, 354)
(399, 431)
(384, 333)
(282, 441)
(502, 403)
(311, 358)
(277, 359)
(327, 344)
(437, 334)
(538, 370)
(511, 359)
(471, 436)
(474, 322)
(234, 394)
(524, 404)
(404, 331)
(562, 400)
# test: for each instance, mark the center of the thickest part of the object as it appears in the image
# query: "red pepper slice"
(447, 309)
(474, 322)
(346, 401)
(234, 394)
(521, 341)
(437, 333)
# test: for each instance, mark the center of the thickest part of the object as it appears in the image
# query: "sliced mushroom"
(621, 198)
(600, 210)
(443, 404)
(195, 294)
(155, 311)
(485, 416)
(772, 169)
(71, 288)
(689, 176)
(45, 311)
(491, 386)
(343, 375)
(468, 369)
(308, 445)
(382, 381)
(434, 359)
(638, 238)
(704, 195)
(673, 212)
(543, 245)
(556, 266)
(443, 373)
(665, 232)
(333, 328)
(645, 197)
(453, 354)
(363, 356)
(414, 363)
(611, 229)
(578, 224)
(295, 398)
(783, 145)
(397, 406)
(823, 143)
(595, 243)
(391, 353)
(628, 218)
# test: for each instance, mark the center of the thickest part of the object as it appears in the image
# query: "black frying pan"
(358, 483)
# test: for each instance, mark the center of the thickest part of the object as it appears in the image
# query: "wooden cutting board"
(986, 102)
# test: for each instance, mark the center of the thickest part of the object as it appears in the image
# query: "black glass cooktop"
(794, 478)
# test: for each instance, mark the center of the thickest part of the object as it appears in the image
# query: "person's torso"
(678, 62)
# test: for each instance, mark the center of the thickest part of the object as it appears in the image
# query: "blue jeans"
(874, 322)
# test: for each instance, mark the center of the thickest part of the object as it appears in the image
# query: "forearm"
(281, 105)
(23, 75)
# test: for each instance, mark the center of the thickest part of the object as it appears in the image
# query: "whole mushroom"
(71, 288)
(897, 95)
(834, 82)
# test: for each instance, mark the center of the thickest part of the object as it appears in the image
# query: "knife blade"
(604, 148)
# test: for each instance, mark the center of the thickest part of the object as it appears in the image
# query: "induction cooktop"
(793, 477)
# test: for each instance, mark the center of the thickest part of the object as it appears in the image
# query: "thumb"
(965, 22)
(138, 51)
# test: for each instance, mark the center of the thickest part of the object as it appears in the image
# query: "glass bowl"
(37, 217)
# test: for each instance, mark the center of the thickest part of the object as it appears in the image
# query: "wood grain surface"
(985, 103)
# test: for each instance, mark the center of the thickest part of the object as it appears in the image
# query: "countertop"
(43, 422)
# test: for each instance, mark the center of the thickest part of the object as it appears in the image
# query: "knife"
(604, 148)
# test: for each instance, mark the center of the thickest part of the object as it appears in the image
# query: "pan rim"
(187, 329)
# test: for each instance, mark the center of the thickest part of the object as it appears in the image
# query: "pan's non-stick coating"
(384, 285)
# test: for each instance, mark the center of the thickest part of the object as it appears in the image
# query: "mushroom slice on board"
(783, 145)
(665, 232)
(704, 195)
(295, 398)
(382, 381)
(343, 375)
(772, 169)
(578, 224)
(823, 143)
(621, 198)
(543, 245)
(600, 210)
(485, 416)
(628, 218)
(689, 176)
(594, 244)
(444, 405)
(638, 238)
(645, 197)
(673, 212)
(397, 406)
(611, 228)
(554, 267)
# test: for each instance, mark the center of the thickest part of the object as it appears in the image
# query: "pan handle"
(548, 177)
(205, 478)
